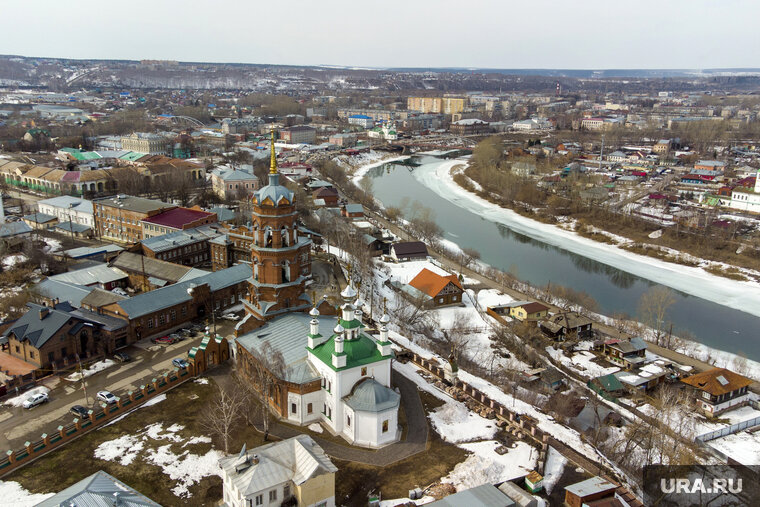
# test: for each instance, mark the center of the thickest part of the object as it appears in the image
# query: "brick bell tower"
(280, 258)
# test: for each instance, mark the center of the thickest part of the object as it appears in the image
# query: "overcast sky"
(581, 34)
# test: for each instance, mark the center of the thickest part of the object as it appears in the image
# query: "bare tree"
(467, 257)
(267, 369)
(223, 412)
(653, 310)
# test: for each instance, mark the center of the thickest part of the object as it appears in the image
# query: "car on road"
(180, 363)
(80, 411)
(34, 400)
(106, 396)
(164, 340)
(231, 316)
(122, 357)
(176, 337)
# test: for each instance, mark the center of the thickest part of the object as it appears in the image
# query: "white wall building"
(268, 476)
(353, 371)
(746, 199)
(67, 208)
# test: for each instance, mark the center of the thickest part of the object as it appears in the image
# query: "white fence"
(728, 430)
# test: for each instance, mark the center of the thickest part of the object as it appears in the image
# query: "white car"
(231, 316)
(34, 400)
(106, 396)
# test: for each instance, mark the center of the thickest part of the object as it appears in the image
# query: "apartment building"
(145, 142)
(301, 134)
(119, 218)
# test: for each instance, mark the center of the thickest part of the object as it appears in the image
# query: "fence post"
(45, 439)
(11, 456)
(62, 431)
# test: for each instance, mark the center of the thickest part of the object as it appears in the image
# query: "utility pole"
(84, 384)
(601, 153)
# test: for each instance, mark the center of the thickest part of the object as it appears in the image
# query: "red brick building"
(280, 257)
(177, 219)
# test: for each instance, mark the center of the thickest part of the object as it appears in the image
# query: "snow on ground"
(695, 281)
(17, 401)
(582, 362)
(12, 260)
(157, 399)
(53, 245)
(744, 447)
(366, 161)
(315, 427)
(122, 450)
(91, 370)
(485, 466)
(555, 465)
(201, 380)
(14, 495)
(409, 370)
(456, 424)
(406, 501)
(185, 469)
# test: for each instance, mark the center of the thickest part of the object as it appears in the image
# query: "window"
(348, 421)
(364, 371)
(161, 319)
(150, 323)
(184, 311)
(259, 499)
(18, 349)
(51, 357)
(273, 495)
(293, 408)
(309, 408)
(385, 426)
(706, 395)
(31, 353)
(173, 315)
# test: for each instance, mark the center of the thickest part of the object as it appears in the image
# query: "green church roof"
(358, 352)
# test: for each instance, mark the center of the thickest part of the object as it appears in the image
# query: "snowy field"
(14, 495)
(695, 281)
(456, 424)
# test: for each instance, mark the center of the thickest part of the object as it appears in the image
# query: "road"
(17, 425)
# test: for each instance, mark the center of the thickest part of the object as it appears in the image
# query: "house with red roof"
(176, 219)
(440, 290)
(718, 390)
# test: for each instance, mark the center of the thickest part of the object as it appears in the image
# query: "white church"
(746, 199)
(335, 374)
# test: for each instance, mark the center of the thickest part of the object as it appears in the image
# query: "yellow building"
(445, 105)
(293, 470)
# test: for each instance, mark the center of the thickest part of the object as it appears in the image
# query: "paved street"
(17, 425)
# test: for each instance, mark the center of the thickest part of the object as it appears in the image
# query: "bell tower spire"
(273, 156)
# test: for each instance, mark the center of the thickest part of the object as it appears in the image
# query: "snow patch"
(14, 495)
(484, 466)
(203, 381)
(315, 427)
(91, 370)
(17, 401)
(455, 423)
(122, 450)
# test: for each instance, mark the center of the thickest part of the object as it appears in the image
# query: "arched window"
(285, 272)
(284, 236)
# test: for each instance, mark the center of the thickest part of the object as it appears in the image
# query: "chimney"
(44, 312)
(116, 499)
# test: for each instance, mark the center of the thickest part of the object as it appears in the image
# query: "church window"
(385, 426)
(293, 408)
(309, 408)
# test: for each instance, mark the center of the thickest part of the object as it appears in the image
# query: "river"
(540, 260)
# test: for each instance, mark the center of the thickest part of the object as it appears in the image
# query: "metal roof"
(288, 335)
(90, 251)
(40, 218)
(14, 229)
(274, 191)
(132, 203)
(149, 302)
(63, 291)
(136, 263)
(91, 275)
(486, 495)
(99, 490)
(296, 459)
(35, 329)
(591, 486)
(72, 227)
(180, 238)
(100, 297)
(371, 396)
(69, 202)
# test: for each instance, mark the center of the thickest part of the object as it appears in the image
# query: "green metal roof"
(132, 156)
(610, 383)
(358, 352)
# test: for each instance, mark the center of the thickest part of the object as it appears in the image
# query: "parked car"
(34, 400)
(176, 337)
(180, 363)
(80, 411)
(122, 357)
(231, 316)
(164, 340)
(106, 396)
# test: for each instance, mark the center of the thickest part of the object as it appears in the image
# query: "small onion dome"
(348, 292)
(385, 319)
(358, 303)
(314, 312)
(338, 329)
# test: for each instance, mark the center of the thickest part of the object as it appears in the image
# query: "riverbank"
(694, 281)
